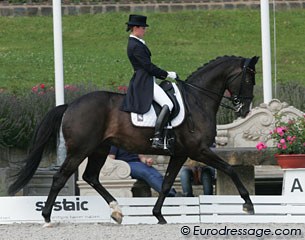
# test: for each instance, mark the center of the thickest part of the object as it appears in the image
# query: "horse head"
(231, 73)
(241, 86)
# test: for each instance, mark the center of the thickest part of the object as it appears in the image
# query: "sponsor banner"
(66, 209)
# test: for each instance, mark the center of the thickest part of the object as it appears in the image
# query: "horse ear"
(254, 60)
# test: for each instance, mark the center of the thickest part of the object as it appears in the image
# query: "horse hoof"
(161, 220)
(248, 208)
(117, 216)
(48, 225)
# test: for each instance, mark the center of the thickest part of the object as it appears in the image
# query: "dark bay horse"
(93, 122)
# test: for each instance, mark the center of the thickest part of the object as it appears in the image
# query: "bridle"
(236, 99)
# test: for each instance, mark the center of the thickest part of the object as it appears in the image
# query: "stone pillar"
(41, 183)
(225, 186)
(3, 181)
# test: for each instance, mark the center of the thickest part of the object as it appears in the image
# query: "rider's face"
(139, 31)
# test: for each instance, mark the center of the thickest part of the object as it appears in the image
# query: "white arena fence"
(202, 209)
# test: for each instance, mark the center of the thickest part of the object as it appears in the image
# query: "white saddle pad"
(149, 119)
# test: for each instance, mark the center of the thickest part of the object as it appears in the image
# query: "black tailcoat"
(140, 91)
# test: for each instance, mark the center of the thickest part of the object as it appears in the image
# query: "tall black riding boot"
(160, 124)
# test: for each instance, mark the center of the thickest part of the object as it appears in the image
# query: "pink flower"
(70, 88)
(288, 135)
(280, 130)
(260, 146)
(35, 89)
(291, 121)
(122, 89)
(281, 146)
(39, 89)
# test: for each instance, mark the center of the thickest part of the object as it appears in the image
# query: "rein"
(204, 90)
(235, 99)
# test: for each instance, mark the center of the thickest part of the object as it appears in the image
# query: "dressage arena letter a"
(296, 185)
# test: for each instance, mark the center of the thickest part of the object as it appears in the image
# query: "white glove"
(172, 75)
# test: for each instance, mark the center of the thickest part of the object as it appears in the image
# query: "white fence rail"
(175, 210)
(267, 209)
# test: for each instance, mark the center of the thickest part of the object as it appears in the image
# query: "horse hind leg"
(248, 205)
(60, 178)
(91, 176)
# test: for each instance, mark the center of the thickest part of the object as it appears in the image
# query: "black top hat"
(137, 20)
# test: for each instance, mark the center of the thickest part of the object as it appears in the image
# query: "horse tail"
(47, 130)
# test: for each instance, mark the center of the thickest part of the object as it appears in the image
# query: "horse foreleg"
(172, 171)
(91, 176)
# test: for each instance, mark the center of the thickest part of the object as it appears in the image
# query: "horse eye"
(250, 79)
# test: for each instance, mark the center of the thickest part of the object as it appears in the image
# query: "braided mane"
(211, 63)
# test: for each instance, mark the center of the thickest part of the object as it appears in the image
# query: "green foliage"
(73, 1)
(95, 45)
(19, 115)
(95, 57)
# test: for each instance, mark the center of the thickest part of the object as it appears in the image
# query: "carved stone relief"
(247, 132)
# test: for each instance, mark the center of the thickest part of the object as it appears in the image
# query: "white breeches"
(161, 98)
